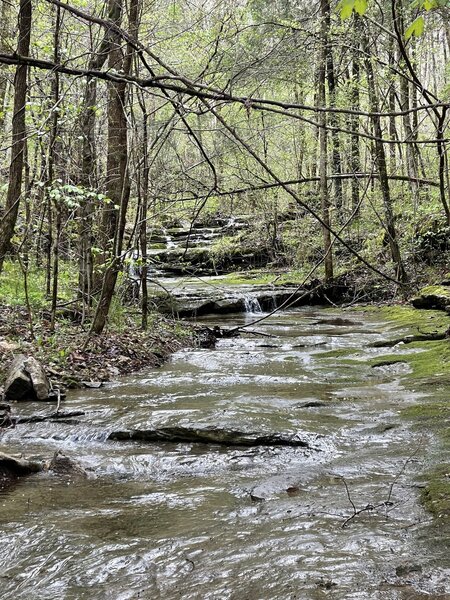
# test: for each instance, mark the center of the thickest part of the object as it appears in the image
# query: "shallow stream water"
(195, 521)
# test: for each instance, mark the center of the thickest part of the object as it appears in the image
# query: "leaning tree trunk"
(9, 219)
(118, 184)
(89, 161)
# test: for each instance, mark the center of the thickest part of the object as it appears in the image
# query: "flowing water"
(195, 521)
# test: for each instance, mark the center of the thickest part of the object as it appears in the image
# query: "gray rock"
(26, 380)
(39, 380)
(211, 435)
(18, 383)
(64, 465)
(17, 467)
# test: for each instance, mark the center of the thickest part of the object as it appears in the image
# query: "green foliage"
(416, 28)
(12, 291)
(347, 7)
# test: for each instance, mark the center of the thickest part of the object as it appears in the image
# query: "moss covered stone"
(434, 296)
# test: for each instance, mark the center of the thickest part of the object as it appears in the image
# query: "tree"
(9, 218)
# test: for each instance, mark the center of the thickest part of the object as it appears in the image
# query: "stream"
(195, 521)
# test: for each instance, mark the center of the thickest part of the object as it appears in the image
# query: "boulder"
(26, 380)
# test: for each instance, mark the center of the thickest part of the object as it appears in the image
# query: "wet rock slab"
(11, 466)
(212, 435)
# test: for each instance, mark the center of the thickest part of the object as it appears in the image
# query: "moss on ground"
(415, 320)
(430, 360)
(341, 352)
(430, 373)
(436, 494)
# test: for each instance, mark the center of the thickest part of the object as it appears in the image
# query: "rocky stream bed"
(278, 466)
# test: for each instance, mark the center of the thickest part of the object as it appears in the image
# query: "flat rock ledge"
(11, 466)
(224, 437)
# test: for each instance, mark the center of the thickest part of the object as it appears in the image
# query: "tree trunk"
(333, 119)
(8, 222)
(323, 149)
(118, 184)
(355, 159)
(88, 177)
(380, 157)
(5, 40)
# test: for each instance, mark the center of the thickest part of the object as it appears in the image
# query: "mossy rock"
(433, 296)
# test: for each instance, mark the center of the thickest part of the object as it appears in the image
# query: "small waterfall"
(251, 304)
(169, 242)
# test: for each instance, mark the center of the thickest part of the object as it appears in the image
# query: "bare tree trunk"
(355, 159)
(88, 177)
(9, 219)
(380, 156)
(5, 40)
(118, 185)
(323, 149)
(52, 166)
(334, 121)
(144, 188)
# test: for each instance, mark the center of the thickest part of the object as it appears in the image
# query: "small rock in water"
(338, 322)
(17, 467)
(403, 570)
(64, 465)
(293, 491)
(92, 384)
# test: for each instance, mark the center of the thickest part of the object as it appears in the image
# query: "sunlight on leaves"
(415, 29)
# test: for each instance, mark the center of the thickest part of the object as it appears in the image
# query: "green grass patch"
(436, 290)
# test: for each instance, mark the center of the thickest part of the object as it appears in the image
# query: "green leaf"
(346, 8)
(430, 4)
(361, 6)
(415, 29)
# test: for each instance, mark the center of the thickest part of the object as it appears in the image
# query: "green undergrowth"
(12, 285)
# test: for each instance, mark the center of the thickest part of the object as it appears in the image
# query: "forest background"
(324, 125)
